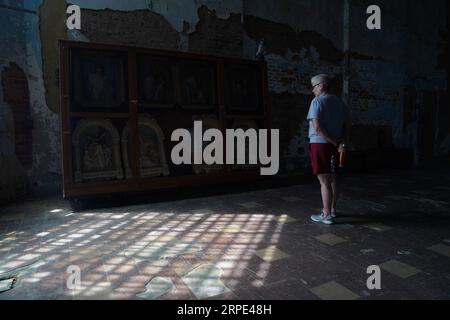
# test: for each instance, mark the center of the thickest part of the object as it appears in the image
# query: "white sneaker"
(333, 213)
(322, 219)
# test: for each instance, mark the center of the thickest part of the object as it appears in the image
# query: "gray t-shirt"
(330, 111)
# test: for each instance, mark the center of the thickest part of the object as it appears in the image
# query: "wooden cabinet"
(120, 105)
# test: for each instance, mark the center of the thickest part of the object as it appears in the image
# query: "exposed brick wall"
(281, 38)
(140, 27)
(292, 58)
(217, 36)
(16, 94)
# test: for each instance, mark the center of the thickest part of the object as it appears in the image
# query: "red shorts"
(324, 158)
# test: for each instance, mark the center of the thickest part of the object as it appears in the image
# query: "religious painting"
(197, 85)
(242, 88)
(155, 82)
(99, 81)
(208, 122)
(96, 151)
(152, 154)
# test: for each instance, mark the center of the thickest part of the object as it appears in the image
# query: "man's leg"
(326, 191)
(335, 190)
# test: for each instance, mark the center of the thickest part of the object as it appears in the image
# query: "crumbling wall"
(12, 173)
(138, 28)
(292, 57)
(393, 72)
(217, 36)
(32, 33)
(38, 129)
(305, 37)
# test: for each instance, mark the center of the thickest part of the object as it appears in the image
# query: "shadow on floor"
(176, 194)
(393, 219)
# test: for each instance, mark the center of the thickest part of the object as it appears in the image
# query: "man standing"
(327, 134)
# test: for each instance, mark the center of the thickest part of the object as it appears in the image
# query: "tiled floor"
(252, 245)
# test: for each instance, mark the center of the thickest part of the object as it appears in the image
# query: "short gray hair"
(320, 78)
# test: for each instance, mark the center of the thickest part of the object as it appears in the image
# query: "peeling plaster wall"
(182, 17)
(303, 38)
(293, 55)
(217, 36)
(32, 45)
(164, 24)
(138, 27)
(382, 64)
(12, 174)
(176, 12)
(46, 136)
(321, 16)
(20, 30)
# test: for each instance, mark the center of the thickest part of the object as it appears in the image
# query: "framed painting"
(243, 93)
(97, 150)
(152, 154)
(197, 82)
(99, 80)
(155, 82)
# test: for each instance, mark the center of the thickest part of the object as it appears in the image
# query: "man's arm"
(323, 133)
